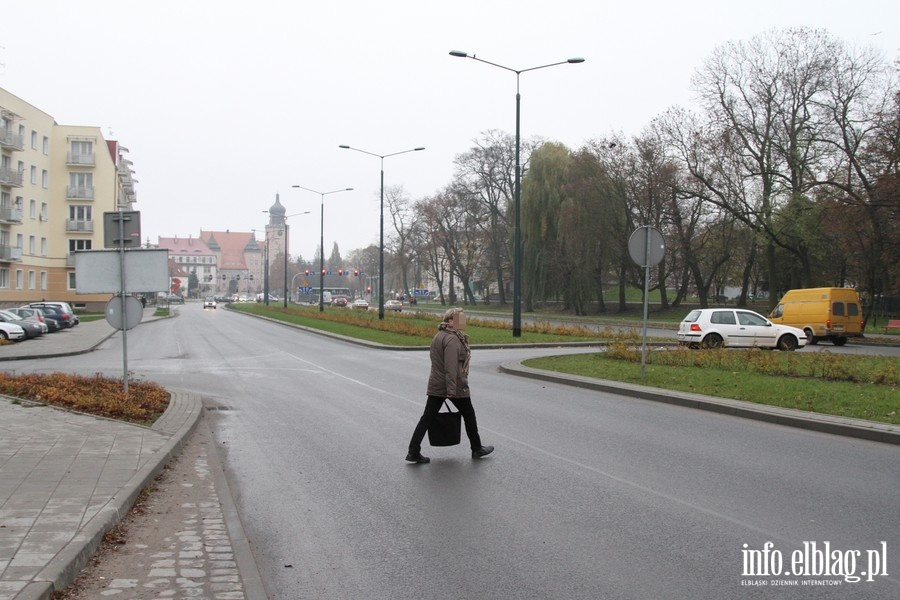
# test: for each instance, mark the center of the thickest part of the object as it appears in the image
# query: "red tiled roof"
(232, 246)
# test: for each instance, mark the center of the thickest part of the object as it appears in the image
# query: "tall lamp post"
(322, 239)
(517, 231)
(381, 223)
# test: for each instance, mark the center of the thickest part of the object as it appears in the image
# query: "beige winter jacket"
(449, 361)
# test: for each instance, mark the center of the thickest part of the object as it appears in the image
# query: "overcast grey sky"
(223, 104)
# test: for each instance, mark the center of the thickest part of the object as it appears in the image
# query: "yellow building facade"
(56, 182)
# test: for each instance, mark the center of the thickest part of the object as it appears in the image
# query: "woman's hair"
(448, 315)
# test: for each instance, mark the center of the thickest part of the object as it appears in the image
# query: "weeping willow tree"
(543, 194)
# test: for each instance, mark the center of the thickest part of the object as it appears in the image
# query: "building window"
(31, 280)
(20, 241)
(20, 279)
(82, 153)
(81, 185)
(31, 241)
(43, 211)
(33, 175)
(46, 145)
(44, 280)
(43, 246)
(45, 179)
(79, 245)
(80, 212)
(4, 278)
(34, 140)
(71, 280)
(32, 209)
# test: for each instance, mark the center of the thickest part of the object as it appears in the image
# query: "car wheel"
(810, 338)
(788, 343)
(713, 340)
(838, 340)
(3, 335)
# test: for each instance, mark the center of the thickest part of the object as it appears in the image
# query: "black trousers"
(432, 406)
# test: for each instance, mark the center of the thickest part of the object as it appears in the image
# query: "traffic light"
(356, 272)
(368, 288)
(224, 277)
(341, 272)
(307, 272)
(251, 276)
(323, 272)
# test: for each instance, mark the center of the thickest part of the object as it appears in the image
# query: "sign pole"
(122, 298)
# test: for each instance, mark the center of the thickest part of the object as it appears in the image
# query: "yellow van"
(823, 313)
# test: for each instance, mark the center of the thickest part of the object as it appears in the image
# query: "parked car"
(209, 302)
(360, 304)
(35, 314)
(55, 314)
(736, 328)
(340, 301)
(394, 305)
(61, 307)
(32, 329)
(174, 299)
(11, 331)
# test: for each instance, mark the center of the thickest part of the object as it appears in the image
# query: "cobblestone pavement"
(177, 544)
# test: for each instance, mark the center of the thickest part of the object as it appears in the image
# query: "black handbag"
(445, 428)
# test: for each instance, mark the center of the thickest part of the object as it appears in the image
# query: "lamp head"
(458, 54)
(345, 147)
(575, 60)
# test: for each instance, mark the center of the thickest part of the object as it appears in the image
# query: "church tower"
(277, 231)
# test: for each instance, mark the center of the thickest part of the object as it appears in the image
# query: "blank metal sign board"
(97, 271)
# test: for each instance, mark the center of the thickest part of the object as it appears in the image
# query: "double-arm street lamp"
(381, 224)
(322, 240)
(517, 232)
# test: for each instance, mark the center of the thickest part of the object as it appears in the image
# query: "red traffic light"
(368, 288)
(356, 272)
(340, 271)
(307, 272)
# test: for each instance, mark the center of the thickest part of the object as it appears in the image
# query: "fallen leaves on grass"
(96, 395)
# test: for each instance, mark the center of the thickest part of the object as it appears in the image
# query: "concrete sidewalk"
(67, 478)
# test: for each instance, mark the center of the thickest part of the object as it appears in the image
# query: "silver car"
(736, 328)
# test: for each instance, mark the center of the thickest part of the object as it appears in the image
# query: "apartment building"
(194, 258)
(56, 181)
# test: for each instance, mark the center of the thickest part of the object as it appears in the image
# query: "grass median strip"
(860, 387)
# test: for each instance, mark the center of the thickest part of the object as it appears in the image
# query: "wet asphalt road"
(588, 495)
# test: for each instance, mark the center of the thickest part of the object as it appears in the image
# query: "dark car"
(32, 329)
(55, 314)
(63, 308)
(35, 314)
(341, 301)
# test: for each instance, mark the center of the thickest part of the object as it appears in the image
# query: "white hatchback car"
(736, 328)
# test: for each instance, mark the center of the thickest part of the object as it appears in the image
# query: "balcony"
(10, 176)
(80, 160)
(79, 225)
(79, 193)
(10, 140)
(9, 215)
(10, 253)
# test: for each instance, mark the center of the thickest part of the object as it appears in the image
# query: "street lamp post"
(322, 239)
(517, 231)
(381, 222)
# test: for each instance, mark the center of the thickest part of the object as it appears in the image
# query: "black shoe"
(417, 458)
(483, 451)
